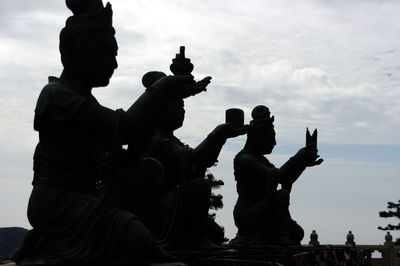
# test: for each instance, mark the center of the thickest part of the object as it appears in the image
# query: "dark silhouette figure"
(80, 148)
(187, 194)
(261, 212)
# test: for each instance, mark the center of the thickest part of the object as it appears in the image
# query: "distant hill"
(10, 239)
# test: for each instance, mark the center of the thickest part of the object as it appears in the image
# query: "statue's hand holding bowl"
(234, 123)
(231, 130)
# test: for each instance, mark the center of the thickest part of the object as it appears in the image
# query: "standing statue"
(187, 194)
(80, 144)
(261, 212)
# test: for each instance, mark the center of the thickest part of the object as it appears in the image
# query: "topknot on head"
(260, 112)
(261, 117)
(84, 6)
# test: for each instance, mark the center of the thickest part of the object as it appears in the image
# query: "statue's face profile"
(97, 59)
(174, 116)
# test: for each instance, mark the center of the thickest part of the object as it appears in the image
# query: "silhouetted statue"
(261, 212)
(187, 193)
(80, 144)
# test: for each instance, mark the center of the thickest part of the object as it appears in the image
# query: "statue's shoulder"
(244, 157)
(246, 161)
(58, 101)
(241, 165)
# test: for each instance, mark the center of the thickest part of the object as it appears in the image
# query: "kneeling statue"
(261, 212)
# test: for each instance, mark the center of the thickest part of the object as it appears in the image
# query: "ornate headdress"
(89, 16)
(262, 121)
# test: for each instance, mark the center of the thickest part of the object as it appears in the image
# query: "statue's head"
(87, 43)
(174, 115)
(261, 134)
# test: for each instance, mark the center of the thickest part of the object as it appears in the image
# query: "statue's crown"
(261, 114)
(89, 13)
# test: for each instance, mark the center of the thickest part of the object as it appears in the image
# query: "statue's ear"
(71, 49)
(71, 44)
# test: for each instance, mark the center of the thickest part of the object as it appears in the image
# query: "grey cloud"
(20, 17)
(22, 6)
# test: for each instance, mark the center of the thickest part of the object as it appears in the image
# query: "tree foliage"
(392, 212)
(215, 232)
(215, 199)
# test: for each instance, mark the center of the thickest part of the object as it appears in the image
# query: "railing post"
(314, 239)
(350, 239)
(389, 255)
(388, 239)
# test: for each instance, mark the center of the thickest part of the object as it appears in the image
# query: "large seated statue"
(261, 212)
(185, 204)
(80, 144)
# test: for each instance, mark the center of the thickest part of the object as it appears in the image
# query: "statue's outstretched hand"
(308, 156)
(231, 130)
(201, 85)
(180, 87)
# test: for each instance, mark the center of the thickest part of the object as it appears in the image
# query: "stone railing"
(389, 252)
(313, 254)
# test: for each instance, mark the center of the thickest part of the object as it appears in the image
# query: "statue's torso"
(255, 181)
(68, 142)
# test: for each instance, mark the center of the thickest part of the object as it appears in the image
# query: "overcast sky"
(331, 65)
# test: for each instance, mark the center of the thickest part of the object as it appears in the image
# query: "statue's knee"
(282, 196)
(136, 237)
(296, 232)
